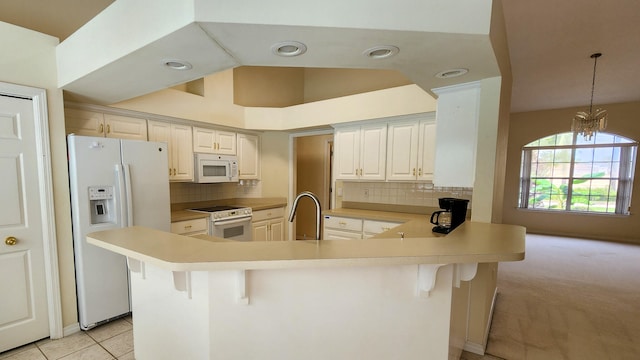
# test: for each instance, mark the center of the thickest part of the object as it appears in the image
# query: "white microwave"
(212, 168)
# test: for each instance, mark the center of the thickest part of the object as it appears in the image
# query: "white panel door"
(225, 142)
(182, 152)
(347, 153)
(24, 314)
(427, 150)
(249, 156)
(402, 151)
(373, 152)
(123, 127)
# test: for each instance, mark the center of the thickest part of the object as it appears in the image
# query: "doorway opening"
(312, 158)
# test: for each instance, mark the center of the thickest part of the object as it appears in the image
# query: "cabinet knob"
(108, 128)
(419, 171)
(10, 240)
(414, 171)
(101, 128)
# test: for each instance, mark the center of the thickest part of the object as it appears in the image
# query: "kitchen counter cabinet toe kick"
(425, 281)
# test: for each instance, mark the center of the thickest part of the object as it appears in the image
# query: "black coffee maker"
(453, 214)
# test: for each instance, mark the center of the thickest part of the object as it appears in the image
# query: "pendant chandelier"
(588, 123)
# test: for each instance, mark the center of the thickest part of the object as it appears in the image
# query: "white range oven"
(229, 222)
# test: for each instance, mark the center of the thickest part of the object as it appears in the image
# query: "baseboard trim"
(481, 348)
(71, 329)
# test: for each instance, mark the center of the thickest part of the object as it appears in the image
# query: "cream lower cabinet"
(248, 156)
(346, 228)
(91, 123)
(180, 144)
(411, 149)
(268, 225)
(360, 152)
(190, 227)
(214, 141)
(341, 228)
(374, 227)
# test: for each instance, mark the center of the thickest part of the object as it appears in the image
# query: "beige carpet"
(569, 299)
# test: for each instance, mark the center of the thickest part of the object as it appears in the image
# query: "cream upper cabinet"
(249, 156)
(214, 141)
(360, 152)
(411, 149)
(457, 132)
(90, 123)
(180, 144)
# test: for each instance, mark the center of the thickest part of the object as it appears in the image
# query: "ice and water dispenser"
(102, 204)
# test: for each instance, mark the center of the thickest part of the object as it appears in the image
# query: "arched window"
(568, 173)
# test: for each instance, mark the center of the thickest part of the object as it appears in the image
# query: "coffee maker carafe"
(453, 214)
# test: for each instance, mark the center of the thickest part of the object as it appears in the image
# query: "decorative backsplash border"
(191, 192)
(401, 193)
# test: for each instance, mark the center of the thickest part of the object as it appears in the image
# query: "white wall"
(29, 58)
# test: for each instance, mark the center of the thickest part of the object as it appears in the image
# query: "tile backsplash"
(190, 192)
(401, 193)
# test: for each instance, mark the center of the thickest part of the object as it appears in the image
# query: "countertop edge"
(461, 246)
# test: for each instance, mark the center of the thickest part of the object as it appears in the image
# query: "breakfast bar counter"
(389, 297)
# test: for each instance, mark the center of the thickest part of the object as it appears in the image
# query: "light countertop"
(470, 243)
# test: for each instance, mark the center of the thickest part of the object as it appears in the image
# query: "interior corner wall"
(216, 107)
(529, 126)
(268, 86)
(29, 59)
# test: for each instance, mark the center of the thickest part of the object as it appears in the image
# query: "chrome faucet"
(318, 210)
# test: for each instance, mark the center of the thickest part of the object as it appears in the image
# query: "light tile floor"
(113, 340)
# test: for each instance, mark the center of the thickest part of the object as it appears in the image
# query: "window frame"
(626, 168)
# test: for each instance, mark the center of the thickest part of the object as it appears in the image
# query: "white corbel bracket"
(426, 281)
(464, 272)
(241, 287)
(136, 266)
(182, 282)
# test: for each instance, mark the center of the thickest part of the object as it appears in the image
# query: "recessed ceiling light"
(451, 73)
(289, 48)
(381, 52)
(176, 64)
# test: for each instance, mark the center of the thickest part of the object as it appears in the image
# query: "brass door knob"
(10, 241)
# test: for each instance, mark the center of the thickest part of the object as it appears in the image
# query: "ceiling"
(550, 44)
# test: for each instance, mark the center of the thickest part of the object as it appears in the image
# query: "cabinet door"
(190, 227)
(86, 123)
(426, 150)
(260, 230)
(277, 229)
(161, 132)
(225, 142)
(347, 153)
(182, 153)
(123, 127)
(249, 156)
(204, 140)
(373, 152)
(331, 234)
(402, 150)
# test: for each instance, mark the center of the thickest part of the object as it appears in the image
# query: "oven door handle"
(232, 221)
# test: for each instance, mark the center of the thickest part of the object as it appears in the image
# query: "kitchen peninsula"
(381, 298)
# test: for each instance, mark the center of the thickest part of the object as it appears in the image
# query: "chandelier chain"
(593, 81)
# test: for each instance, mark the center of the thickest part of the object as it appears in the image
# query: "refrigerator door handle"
(121, 195)
(127, 180)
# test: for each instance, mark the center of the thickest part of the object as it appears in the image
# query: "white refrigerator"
(114, 183)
